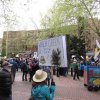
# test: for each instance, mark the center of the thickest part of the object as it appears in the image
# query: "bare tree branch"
(90, 16)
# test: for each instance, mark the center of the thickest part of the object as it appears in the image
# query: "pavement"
(66, 89)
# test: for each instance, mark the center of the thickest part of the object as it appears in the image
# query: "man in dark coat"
(25, 71)
(5, 82)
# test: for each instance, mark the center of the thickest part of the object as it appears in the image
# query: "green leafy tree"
(67, 12)
(77, 46)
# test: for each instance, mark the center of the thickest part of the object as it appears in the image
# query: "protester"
(35, 66)
(40, 90)
(25, 71)
(13, 68)
(58, 71)
(18, 63)
(5, 82)
(47, 69)
(30, 69)
(21, 62)
(76, 70)
(71, 67)
(82, 68)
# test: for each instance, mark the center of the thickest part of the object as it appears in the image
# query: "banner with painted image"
(94, 75)
(46, 47)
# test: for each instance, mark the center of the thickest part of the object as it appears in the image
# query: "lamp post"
(7, 43)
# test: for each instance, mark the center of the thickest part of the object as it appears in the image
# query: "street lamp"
(7, 43)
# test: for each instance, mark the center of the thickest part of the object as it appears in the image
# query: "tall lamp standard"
(7, 44)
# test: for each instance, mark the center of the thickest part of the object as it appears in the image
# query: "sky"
(29, 12)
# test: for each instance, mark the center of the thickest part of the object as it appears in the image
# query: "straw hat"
(39, 76)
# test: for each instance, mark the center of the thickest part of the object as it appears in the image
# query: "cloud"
(29, 12)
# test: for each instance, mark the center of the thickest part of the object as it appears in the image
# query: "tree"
(7, 18)
(77, 46)
(92, 13)
(7, 15)
(74, 17)
(67, 12)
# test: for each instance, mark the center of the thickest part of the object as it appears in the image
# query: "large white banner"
(45, 48)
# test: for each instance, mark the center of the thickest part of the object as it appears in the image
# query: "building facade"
(0, 45)
(15, 42)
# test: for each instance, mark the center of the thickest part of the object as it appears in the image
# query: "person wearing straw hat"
(40, 90)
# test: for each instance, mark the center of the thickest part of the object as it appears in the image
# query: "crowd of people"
(77, 65)
(42, 87)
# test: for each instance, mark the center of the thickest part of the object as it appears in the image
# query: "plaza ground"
(66, 89)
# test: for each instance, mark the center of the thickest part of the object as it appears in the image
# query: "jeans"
(13, 73)
(48, 81)
(76, 73)
(30, 73)
(71, 71)
(24, 75)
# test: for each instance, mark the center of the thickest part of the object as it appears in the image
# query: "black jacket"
(5, 83)
(24, 66)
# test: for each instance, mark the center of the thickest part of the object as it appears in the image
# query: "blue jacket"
(14, 65)
(43, 92)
